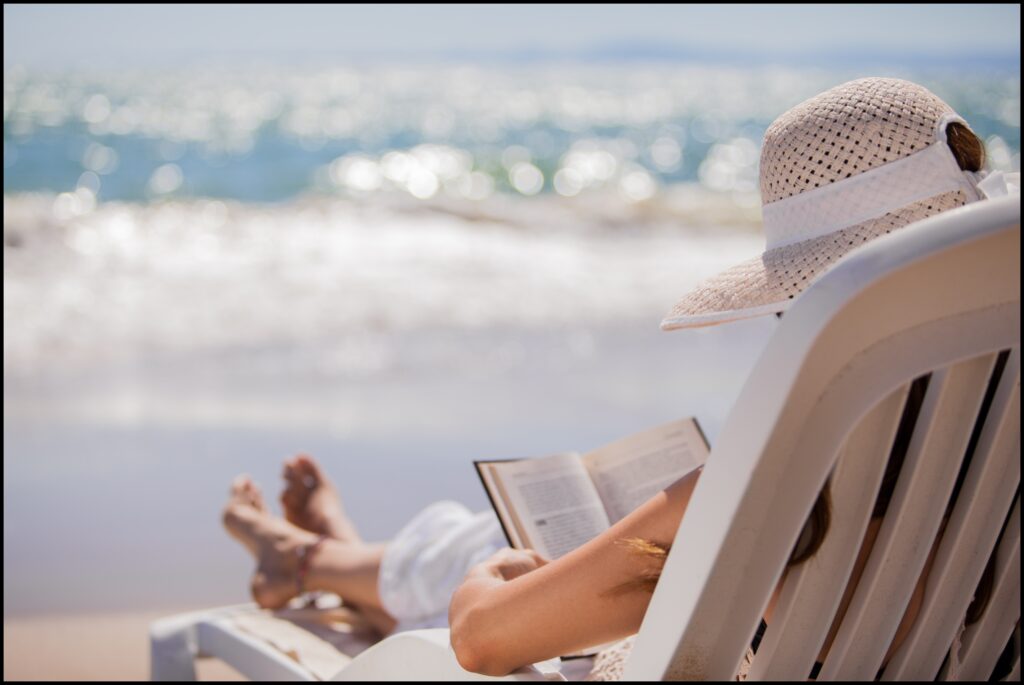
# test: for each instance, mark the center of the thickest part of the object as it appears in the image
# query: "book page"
(554, 500)
(630, 471)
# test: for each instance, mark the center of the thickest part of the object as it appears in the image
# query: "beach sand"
(89, 647)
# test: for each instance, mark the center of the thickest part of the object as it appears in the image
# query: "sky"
(61, 36)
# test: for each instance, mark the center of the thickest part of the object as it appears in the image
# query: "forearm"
(498, 626)
(566, 605)
(471, 616)
(480, 614)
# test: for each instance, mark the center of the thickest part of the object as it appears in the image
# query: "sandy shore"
(88, 647)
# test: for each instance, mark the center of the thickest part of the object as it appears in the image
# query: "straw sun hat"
(851, 164)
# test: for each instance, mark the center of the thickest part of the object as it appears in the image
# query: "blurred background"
(399, 238)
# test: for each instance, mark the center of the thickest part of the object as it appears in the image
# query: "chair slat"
(970, 536)
(929, 472)
(984, 641)
(812, 591)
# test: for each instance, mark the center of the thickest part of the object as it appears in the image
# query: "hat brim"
(768, 284)
(714, 318)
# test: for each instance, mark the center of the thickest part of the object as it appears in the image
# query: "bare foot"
(310, 501)
(274, 542)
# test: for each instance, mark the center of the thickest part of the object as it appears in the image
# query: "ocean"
(396, 268)
(273, 134)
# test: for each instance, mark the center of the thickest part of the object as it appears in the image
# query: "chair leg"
(173, 649)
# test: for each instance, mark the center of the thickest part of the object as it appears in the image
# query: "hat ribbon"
(868, 195)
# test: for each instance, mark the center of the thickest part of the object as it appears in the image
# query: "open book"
(555, 504)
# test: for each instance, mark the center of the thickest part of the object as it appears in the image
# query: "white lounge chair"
(939, 297)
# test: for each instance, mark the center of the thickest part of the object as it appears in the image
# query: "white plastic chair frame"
(942, 297)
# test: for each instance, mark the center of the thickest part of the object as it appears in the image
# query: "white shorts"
(428, 559)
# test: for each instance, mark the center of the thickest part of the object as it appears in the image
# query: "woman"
(824, 165)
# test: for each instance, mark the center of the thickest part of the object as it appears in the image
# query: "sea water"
(273, 133)
(397, 269)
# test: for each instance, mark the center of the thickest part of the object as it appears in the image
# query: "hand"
(508, 563)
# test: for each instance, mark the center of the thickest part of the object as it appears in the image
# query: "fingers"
(518, 554)
(521, 555)
(506, 554)
(508, 563)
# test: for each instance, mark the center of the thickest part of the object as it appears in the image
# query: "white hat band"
(868, 195)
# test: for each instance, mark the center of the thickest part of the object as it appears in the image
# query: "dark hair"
(969, 152)
(966, 146)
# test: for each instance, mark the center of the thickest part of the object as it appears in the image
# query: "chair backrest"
(941, 297)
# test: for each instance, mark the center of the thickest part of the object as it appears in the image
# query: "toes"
(295, 475)
(250, 493)
(240, 486)
(291, 500)
(294, 489)
(244, 492)
(309, 471)
(256, 498)
(288, 473)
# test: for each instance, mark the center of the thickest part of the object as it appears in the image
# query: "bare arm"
(501, 621)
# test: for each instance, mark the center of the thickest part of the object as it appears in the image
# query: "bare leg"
(348, 569)
(341, 567)
(311, 501)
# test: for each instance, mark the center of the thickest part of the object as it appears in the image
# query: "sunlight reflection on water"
(272, 133)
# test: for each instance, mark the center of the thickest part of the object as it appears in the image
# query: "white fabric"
(428, 559)
(869, 195)
(998, 184)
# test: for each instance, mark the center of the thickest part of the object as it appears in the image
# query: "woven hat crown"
(852, 164)
(846, 131)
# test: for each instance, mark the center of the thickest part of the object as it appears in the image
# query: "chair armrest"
(176, 641)
(426, 655)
